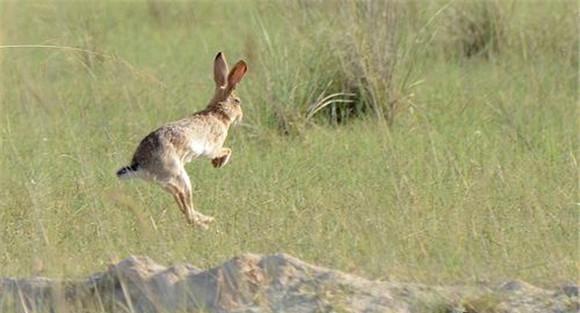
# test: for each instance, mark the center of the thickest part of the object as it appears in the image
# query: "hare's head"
(224, 97)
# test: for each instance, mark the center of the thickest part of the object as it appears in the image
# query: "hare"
(161, 156)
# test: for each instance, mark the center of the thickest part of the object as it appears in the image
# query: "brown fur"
(162, 155)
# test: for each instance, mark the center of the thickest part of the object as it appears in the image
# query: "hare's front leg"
(222, 158)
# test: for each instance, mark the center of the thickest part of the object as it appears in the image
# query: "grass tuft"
(476, 28)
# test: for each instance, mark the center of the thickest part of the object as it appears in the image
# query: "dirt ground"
(274, 283)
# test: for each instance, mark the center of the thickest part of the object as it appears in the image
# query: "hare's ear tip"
(219, 55)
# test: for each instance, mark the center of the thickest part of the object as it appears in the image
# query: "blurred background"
(429, 141)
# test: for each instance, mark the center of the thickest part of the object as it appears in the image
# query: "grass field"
(456, 162)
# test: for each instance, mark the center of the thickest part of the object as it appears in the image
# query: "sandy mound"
(276, 283)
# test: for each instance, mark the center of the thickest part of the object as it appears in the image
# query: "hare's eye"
(237, 100)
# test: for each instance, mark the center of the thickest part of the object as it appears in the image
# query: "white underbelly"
(199, 148)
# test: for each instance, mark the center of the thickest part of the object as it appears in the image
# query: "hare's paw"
(206, 220)
(200, 220)
(217, 162)
(223, 159)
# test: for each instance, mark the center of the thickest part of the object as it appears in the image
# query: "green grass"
(475, 178)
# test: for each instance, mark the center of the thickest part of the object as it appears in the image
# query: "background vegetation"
(426, 141)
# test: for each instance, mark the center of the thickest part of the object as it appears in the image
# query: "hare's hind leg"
(174, 191)
(180, 194)
(222, 158)
(193, 216)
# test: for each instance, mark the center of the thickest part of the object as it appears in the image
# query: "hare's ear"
(236, 74)
(220, 70)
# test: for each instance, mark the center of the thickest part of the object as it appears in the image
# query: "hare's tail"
(128, 171)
